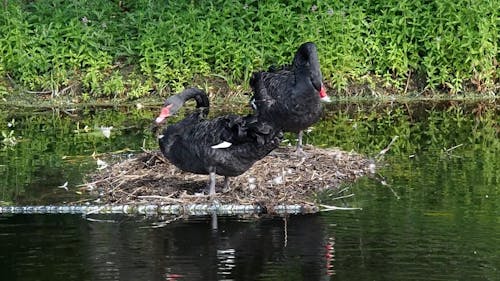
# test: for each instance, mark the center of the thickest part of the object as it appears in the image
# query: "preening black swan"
(227, 145)
(290, 98)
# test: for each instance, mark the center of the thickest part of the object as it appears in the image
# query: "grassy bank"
(129, 49)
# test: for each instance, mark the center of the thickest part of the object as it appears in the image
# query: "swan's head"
(164, 114)
(170, 108)
(306, 61)
(321, 90)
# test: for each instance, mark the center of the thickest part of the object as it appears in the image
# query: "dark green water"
(436, 218)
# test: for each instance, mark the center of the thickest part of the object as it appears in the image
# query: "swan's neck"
(198, 95)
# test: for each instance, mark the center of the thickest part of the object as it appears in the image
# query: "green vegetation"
(39, 151)
(128, 49)
(42, 150)
(420, 127)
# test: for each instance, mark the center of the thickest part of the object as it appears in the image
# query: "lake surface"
(432, 212)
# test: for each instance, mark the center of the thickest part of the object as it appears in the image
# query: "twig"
(327, 208)
(407, 82)
(68, 113)
(160, 197)
(343, 189)
(162, 223)
(98, 220)
(82, 201)
(394, 192)
(153, 155)
(453, 148)
(12, 82)
(384, 151)
(64, 90)
(343, 197)
(39, 92)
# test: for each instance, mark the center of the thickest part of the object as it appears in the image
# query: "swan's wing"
(263, 86)
(222, 145)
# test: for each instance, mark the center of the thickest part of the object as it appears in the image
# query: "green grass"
(103, 49)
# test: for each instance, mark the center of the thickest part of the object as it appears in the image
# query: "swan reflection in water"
(297, 248)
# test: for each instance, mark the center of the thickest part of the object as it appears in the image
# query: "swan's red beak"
(164, 113)
(322, 94)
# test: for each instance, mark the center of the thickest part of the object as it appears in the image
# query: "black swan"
(227, 145)
(290, 97)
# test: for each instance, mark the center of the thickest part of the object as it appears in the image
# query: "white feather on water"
(101, 164)
(106, 131)
(64, 186)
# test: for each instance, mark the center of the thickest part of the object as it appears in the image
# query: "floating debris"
(106, 131)
(64, 186)
(281, 178)
(101, 164)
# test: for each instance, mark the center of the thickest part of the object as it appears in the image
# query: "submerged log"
(152, 209)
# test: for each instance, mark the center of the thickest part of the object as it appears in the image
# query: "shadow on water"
(432, 214)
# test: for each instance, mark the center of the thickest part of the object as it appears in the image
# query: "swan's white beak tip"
(326, 99)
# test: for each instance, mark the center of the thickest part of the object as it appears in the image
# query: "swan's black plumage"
(188, 144)
(290, 97)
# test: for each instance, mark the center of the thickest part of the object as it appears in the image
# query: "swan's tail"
(264, 134)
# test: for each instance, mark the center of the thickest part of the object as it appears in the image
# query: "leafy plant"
(440, 46)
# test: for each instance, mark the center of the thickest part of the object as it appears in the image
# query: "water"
(433, 213)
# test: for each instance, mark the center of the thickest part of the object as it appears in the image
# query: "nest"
(281, 178)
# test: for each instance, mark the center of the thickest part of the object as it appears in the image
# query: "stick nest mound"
(281, 178)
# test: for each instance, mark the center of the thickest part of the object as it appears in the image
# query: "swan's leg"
(299, 142)
(300, 152)
(211, 185)
(226, 183)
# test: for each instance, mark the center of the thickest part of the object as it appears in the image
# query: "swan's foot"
(300, 153)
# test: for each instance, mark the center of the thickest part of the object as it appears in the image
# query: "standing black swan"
(227, 145)
(291, 98)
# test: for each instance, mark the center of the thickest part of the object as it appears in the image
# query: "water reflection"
(438, 218)
(52, 148)
(70, 248)
(438, 221)
(46, 149)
